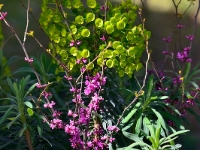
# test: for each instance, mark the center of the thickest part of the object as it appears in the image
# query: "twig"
(91, 63)
(23, 47)
(145, 77)
(27, 22)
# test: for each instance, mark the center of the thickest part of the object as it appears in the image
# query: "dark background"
(160, 20)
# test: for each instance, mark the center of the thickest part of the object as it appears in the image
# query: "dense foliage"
(90, 96)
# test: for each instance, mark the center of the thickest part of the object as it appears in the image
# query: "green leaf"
(160, 119)
(11, 85)
(30, 111)
(132, 136)
(174, 134)
(138, 125)
(5, 116)
(149, 88)
(13, 121)
(168, 105)
(186, 71)
(130, 114)
(6, 144)
(149, 126)
(136, 144)
(30, 89)
(21, 132)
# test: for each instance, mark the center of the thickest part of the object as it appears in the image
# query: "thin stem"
(27, 22)
(23, 47)
(145, 77)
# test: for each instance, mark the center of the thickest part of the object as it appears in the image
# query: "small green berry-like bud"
(91, 3)
(98, 23)
(85, 33)
(110, 29)
(90, 17)
(79, 19)
(121, 25)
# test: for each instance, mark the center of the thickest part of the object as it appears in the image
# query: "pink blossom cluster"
(79, 127)
(181, 107)
(86, 132)
(94, 83)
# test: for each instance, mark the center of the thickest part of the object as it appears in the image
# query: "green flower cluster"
(87, 34)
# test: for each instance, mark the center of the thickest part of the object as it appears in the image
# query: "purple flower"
(73, 43)
(46, 94)
(40, 86)
(49, 105)
(190, 37)
(56, 113)
(187, 49)
(56, 123)
(103, 7)
(94, 83)
(168, 39)
(113, 128)
(180, 26)
(3, 14)
(190, 101)
(183, 56)
(89, 144)
(69, 78)
(103, 38)
(177, 80)
(30, 60)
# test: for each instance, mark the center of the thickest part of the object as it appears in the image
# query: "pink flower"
(3, 14)
(40, 86)
(69, 78)
(49, 105)
(190, 37)
(113, 128)
(46, 94)
(70, 113)
(56, 113)
(30, 60)
(180, 26)
(56, 123)
(168, 39)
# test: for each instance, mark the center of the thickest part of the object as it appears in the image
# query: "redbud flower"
(49, 105)
(180, 26)
(190, 37)
(3, 14)
(30, 60)
(103, 7)
(69, 78)
(168, 39)
(103, 38)
(40, 86)
(73, 43)
(56, 113)
(56, 123)
(70, 113)
(46, 94)
(113, 128)
(177, 80)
